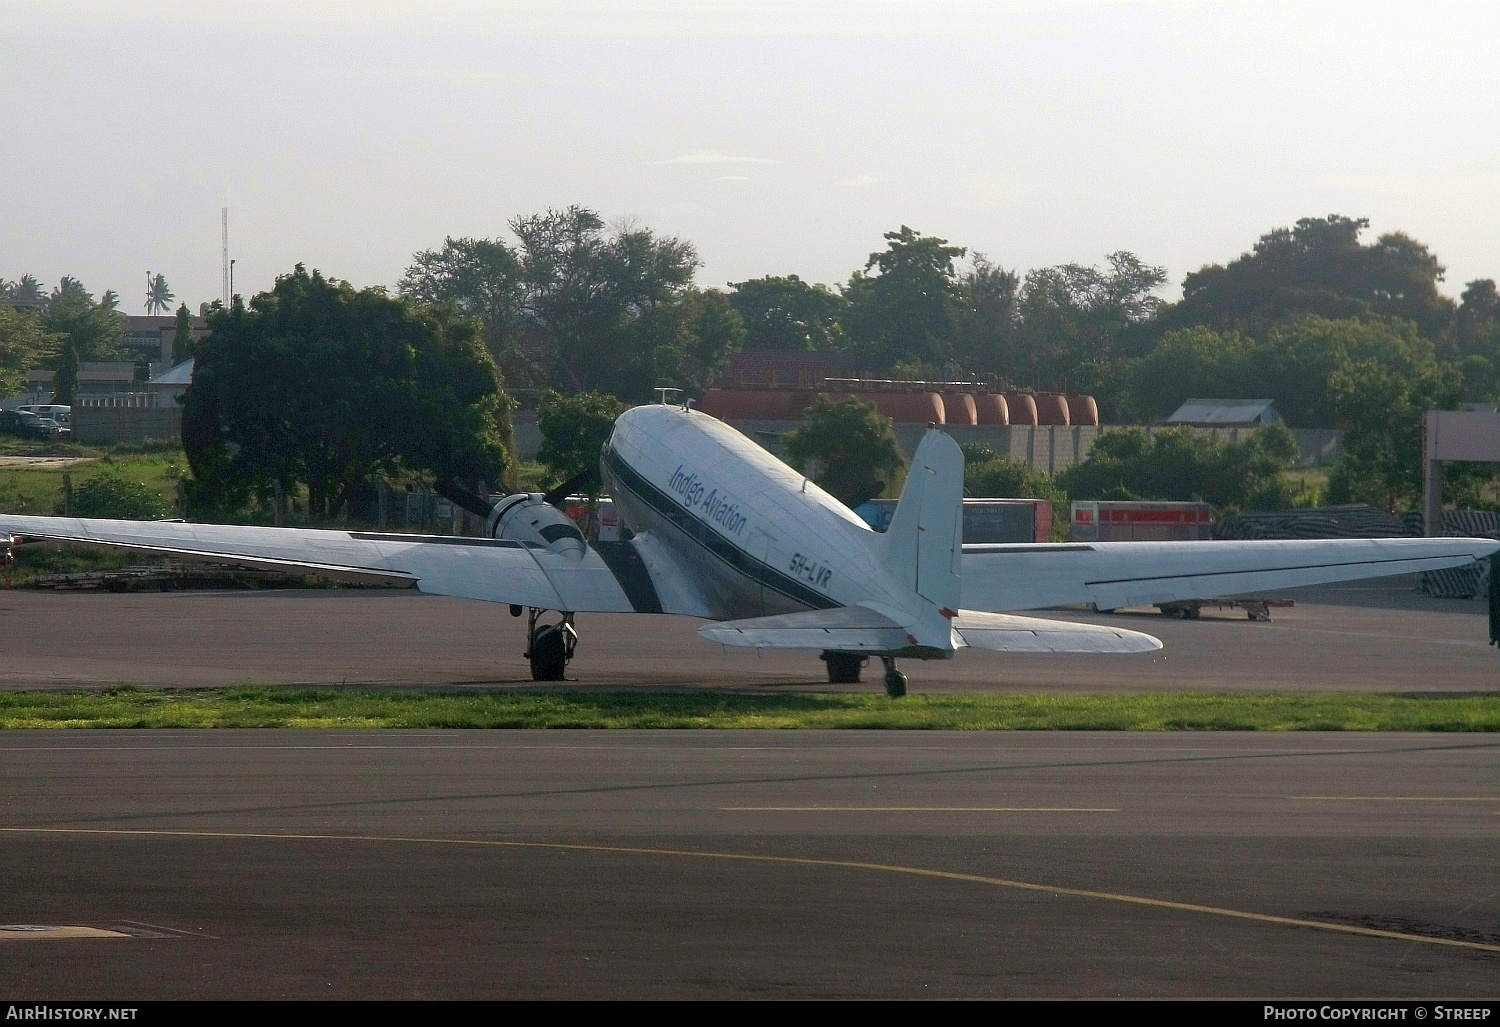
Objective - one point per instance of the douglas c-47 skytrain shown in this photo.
(726, 532)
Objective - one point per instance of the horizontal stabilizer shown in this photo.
(847, 629)
(1007, 633)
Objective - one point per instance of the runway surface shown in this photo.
(747, 864)
(1380, 636)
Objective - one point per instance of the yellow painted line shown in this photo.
(42, 933)
(918, 809)
(1399, 798)
(743, 857)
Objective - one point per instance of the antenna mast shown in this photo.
(225, 218)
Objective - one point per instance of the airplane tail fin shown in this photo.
(923, 547)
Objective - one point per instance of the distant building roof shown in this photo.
(182, 374)
(1225, 413)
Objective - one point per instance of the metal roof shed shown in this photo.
(1225, 413)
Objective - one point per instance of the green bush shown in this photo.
(107, 494)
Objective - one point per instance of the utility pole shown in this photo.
(225, 220)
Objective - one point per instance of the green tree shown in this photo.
(989, 475)
(900, 305)
(110, 494)
(23, 346)
(482, 278)
(986, 320)
(852, 444)
(65, 378)
(574, 430)
(25, 292)
(1291, 365)
(1317, 267)
(184, 346)
(570, 304)
(319, 384)
(1179, 465)
(1381, 410)
(694, 336)
(787, 313)
(159, 295)
(93, 328)
(1079, 323)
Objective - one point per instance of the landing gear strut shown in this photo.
(549, 647)
(895, 681)
(843, 668)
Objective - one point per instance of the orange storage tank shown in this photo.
(959, 408)
(755, 405)
(990, 408)
(1082, 410)
(1022, 408)
(907, 407)
(1051, 408)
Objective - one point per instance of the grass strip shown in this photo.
(253, 706)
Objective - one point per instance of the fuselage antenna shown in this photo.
(661, 394)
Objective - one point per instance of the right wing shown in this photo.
(1110, 575)
(496, 570)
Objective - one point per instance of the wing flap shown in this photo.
(848, 629)
(1007, 633)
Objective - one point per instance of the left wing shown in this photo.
(1002, 578)
(496, 570)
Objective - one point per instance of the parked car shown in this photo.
(24, 422)
(59, 412)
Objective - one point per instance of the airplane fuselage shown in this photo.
(746, 535)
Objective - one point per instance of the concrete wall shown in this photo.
(126, 424)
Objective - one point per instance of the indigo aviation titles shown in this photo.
(714, 506)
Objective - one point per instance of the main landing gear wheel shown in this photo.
(895, 681)
(550, 646)
(843, 668)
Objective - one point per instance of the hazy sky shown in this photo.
(779, 137)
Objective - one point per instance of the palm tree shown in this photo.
(70, 287)
(28, 290)
(159, 295)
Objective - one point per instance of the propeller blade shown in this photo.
(465, 499)
(579, 482)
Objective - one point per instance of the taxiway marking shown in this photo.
(744, 857)
(1398, 798)
(918, 809)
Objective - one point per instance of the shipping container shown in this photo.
(985, 520)
(1119, 521)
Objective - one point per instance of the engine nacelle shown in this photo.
(526, 517)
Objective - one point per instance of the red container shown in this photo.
(990, 408)
(1051, 408)
(1022, 408)
(906, 407)
(959, 408)
(1082, 410)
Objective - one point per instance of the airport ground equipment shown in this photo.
(725, 532)
(1190, 609)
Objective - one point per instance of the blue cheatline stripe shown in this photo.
(727, 552)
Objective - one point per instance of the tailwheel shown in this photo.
(843, 668)
(550, 646)
(895, 681)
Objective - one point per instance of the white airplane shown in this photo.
(724, 531)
